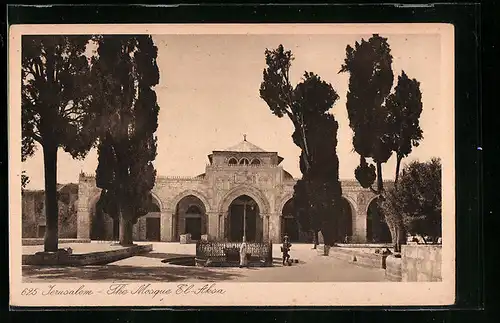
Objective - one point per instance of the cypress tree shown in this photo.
(317, 196)
(124, 75)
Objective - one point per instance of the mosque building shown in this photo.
(242, 186)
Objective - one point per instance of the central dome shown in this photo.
(245, 147)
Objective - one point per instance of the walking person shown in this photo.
(285, 249)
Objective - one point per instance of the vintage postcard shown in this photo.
(231, 165)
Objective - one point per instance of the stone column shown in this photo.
(359, 225)
(220, 227)
(166, 232)
(224, 226)
(213, 225)
(83, 223)
(274, 227)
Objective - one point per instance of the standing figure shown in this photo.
(243, 254)
(285, 249)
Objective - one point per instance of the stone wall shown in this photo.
(33, 212)
(421, 263)
(30, 217)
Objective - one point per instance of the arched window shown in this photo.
(232, 161)
(255, 161)
(244, 161)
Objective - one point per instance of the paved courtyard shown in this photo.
(148, 267)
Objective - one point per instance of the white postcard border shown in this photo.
(240, 294)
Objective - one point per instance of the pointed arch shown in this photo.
(283, 200)
(250, 191)
(157, 200)
(173, 202)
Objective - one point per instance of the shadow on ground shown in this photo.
(125, 273)
(163, 255)
(280, 261)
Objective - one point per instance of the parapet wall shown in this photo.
(418, 263)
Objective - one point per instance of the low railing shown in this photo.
(227, 253)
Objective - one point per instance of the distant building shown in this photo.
(33, 212)
(243, 179)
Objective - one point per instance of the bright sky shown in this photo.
(209, 97)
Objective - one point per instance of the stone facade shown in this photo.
(242, 170)
(33, 212)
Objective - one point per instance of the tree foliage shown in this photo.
(405, 108)
(24, 180)
(55, 94)
(318, 194)
(382, 122)
(416, 201)
(55, 99)
(309, 98)
(369, 64)
(124, 75)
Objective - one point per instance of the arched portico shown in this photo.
(189, 217)
(261, 218)
(377, 230)
(289, 222)
(346, 220)
(243, 221)
(250, 191)
(172, 204)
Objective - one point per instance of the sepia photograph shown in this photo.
(173, 165)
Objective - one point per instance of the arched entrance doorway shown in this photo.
(193, 222)
(244, 220)
(289, 222)
(190, 218)
(344, 222)
(377, 230)
(153, 223)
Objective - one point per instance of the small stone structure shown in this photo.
(393, 269)
(185, 238)
(67, 258)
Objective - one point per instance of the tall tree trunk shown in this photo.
(394, 237)
(398, 166)
(51, 207)
(126, 227)
(315, 238)
(306, 148)
(401, 237)
(380, 181)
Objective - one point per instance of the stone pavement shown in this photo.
(148, 267)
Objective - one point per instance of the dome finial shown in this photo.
(244, 137)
